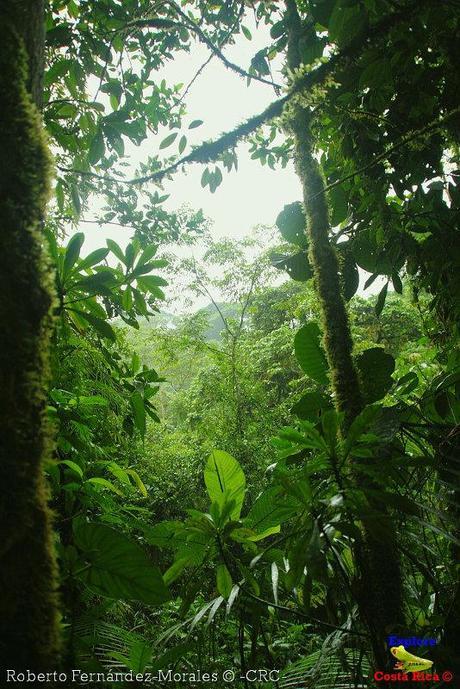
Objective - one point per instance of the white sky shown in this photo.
(254, 194)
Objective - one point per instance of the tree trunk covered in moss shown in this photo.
(379, 589)
(29, 635)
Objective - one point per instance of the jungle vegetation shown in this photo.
(271, 480)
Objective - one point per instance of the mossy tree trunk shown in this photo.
(29, 636)
(379, 589)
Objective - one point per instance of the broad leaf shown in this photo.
(310, 354)
(297, 266)
(291, 223)
(270, 510)
(225, 481)
(375, 368)
(224, 581)
(169, 140)
(138, 407)
(118, 568)
(310, 405)
(72, 252)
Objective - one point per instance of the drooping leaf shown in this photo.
(397, 283)
(339, 205)
(138, 481)
(231, 599)
(310, 405)
(101, 326)
(72, 252)
(104, 483)
(275, 579)
(297, 266)
(291, 223)
(138, 407)
(348, 270)
(380, 303)
(310, 354)
(224, 581)
(225, 481)
(76, 201)
(73, 466)
(96, 149)
(246, 33)
(375, 368)
(182, 144)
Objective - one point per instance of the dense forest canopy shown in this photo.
(230, 457)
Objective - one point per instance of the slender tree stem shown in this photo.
(378, 590)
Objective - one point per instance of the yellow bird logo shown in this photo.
(408, 662)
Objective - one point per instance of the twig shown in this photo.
(407, 138)
(210, 151)
(302, 615)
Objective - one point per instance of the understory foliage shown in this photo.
(272, 480)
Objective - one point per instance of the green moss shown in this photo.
(337, 337)
(378, 589)
(28, 589)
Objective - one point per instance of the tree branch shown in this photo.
(210, 151)
(194, 28)
(407, 138)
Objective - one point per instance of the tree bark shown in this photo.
(379, 588)
(29, 630)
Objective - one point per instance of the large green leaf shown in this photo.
(339, 205)
(375, 368)
(72, 252)
(224, 581)
(94, 257)
(101, 326)
(310, 405)
(138, 407)
(348, 270)
(270, 510)
(117, 567)
(310, 354)
(225, 481)
(297, 266)
(321, 10)
(169, 140)
(96, 149)
(291, 223)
